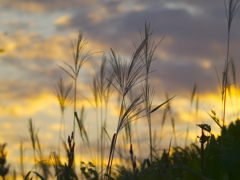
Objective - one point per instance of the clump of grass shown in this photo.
(126, 75)
(4, 167)
(66, 171)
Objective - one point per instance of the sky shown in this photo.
(36, 36)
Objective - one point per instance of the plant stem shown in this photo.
(202, 150)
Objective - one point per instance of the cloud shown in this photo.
(24, 103)
(29, 6)
(63, 20)
(44, 6)
(28, 46)
(193, 37)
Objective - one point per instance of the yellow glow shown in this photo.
(63, 20)
(56, 47)
(6, 125)
(206, 64)
(184, 116)
(55, 126)
(28, 107)
(10, 47)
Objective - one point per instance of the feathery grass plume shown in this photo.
(231, 9)
(63, 93)
(148, 92)
(79, 57)
(126, 75)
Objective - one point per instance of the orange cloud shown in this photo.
(29, 106)
(29, 6)
(63, 20)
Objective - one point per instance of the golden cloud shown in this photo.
(28, 106)
(29, 6)
(29, 46)
(63, 20)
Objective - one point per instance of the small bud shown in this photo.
(131, 151)
(134, 163)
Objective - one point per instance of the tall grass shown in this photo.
(102, 92)
(79, 58)
(193, 97)
(230, 9)
(22, 171)
(148, 92)
(126, 74)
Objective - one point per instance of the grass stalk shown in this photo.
(126, 75)
(33, 139)
(149, 49)
(79, 57)
(230, 9)
(22, 160)
(63, 93)
(193, 97)
(101, 92)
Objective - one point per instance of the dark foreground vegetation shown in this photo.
(212, 158)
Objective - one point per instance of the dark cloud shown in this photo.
(180, 77)
(40, 6)
(193, 37)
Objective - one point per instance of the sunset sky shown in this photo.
(36, 35)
